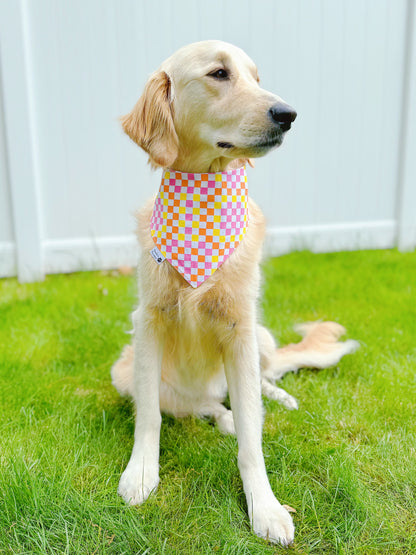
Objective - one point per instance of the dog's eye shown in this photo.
(220, 74)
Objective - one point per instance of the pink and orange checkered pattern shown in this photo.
(199, 219)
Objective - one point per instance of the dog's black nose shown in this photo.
(283, 114)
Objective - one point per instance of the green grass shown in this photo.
(345, 461)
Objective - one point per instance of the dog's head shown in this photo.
(204, 108)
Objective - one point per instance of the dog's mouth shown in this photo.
(263, 144)
(269, 142)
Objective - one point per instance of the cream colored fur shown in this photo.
(192, 345)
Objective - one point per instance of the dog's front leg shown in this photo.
(141, 476)
(241, 360)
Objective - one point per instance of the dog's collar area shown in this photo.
(198, 220)
(238, 174)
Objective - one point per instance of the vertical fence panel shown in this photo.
(7, 250)
(19, 137)
(407, 175)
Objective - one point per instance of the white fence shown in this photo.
(70, 181)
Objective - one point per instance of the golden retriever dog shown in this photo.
(202, 111)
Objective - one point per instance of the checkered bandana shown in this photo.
(198, 220)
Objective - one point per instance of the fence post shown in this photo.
(406, 216)
(20, 145)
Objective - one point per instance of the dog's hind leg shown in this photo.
(122, 372)
(171, 401)
(275, 393)
(267, 350)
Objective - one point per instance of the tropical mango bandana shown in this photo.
(198, 220)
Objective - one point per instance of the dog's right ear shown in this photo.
(150, 123)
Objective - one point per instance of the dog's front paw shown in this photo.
(136, 485)
(272, 522)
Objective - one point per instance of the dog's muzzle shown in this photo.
(283, 115)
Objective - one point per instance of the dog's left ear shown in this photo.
(150, 123)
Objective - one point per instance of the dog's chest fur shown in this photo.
(206, 317)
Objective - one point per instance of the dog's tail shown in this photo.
(319, 348)
(122, 372)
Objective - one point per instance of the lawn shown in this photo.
(345, 460)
